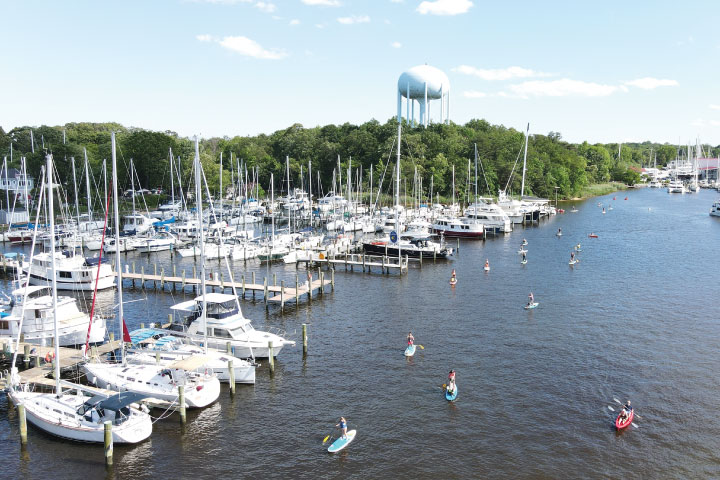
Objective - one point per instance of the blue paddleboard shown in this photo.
(410, 351)
(341, 443)
(450, 397)
(532, 305)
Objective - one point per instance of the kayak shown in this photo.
(592, 235)
(451, 397)
(620, 425)
(410, 351)
(532, 305)
(341, 443)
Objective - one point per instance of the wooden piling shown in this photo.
(181, 399)
(332, 280)
(304, 338)
(231, 374)
(157, 358)
(111, 336)
(282, 295)
(108, 443)
(26, 355)
(142, 276)
(142, 325)
(274, 279)
(297, 294)
(271, 358)
(243, 286)
(457, 248)
(228, 348)
(162, 278)
(23, 424)
(265, 289)
(253, 282)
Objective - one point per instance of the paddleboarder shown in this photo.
(410, 338)
(524, 257)
(342, 424)
(572, 256)
(487, 264)
(559, 232)
(531, 299)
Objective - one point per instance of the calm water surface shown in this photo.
(636, 318)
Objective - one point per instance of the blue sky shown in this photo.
(597, 71)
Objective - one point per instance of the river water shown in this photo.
(635, 319)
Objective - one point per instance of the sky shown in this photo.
(598, 71)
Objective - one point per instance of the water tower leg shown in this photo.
(407, 116)
(425, 109)
(399, 105)
(447, 109)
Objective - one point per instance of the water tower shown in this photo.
(421, 84)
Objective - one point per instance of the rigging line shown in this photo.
(483, 172)
(515, 165)
(382, 178)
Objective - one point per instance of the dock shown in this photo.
(41, 372)
(271, 293)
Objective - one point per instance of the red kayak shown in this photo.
(592, 235)
(620, 424)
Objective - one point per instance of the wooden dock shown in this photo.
(41, 372)
(271, 293)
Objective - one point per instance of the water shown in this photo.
(636, 318)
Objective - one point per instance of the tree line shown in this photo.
(429, 153)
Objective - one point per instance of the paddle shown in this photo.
(634, 412)
(327, 437)
(421, 347)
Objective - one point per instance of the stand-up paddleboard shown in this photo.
(523, 262)
(341, 443)
(558, 234)
(532, 305)
(524, 243)
(487, 269)
(450, 397)
(410, 351)
(572, 262)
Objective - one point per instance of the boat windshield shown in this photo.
(222, 310)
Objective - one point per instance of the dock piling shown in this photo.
(181, 398)
(23, 424)
(271, 357)
(231, 373)
(282, 295)
(26, 355)
(253, 282)
(108, 443)
(304, 338)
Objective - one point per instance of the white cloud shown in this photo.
(499, 73)
(266, 7)
(324, 3)
(294, 21)
(250, 48)
(204, 38)
(698, 122)
(222, 2)
(444, 7)
(397, 1)
(649, 83)
(396, 45)
(354, 19)
(714, 107)
(320, 25)
(474, 94)
(563, 88)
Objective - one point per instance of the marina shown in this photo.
(567, 334)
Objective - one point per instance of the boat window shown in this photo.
(56, 410)
(65, 274)
(130, 379)
(221, 332)
(4, 325)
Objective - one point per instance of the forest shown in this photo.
(428, 153)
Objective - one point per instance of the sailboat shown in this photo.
(157, 382)
(74, 416)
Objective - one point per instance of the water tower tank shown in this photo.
(421, 84)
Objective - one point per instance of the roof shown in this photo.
(188, 306)
(30, 289)
(115, 402)
(216, 297)
(190, 363)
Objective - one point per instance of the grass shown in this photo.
(598, 189)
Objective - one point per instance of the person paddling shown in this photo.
(487, 264)
(342, 424)
(451, 382)
(524, 257)
(626, 409)
(531, 299)
(572, 256)
(410, 339)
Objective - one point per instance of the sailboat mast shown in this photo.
(49, 170)
(172, 180)
(132, 184)
(198, 199)
(118, 269)
(476, 192)
(77, 203)
(221, 190)
(453, 186)
(522, 187)
(87, 185)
